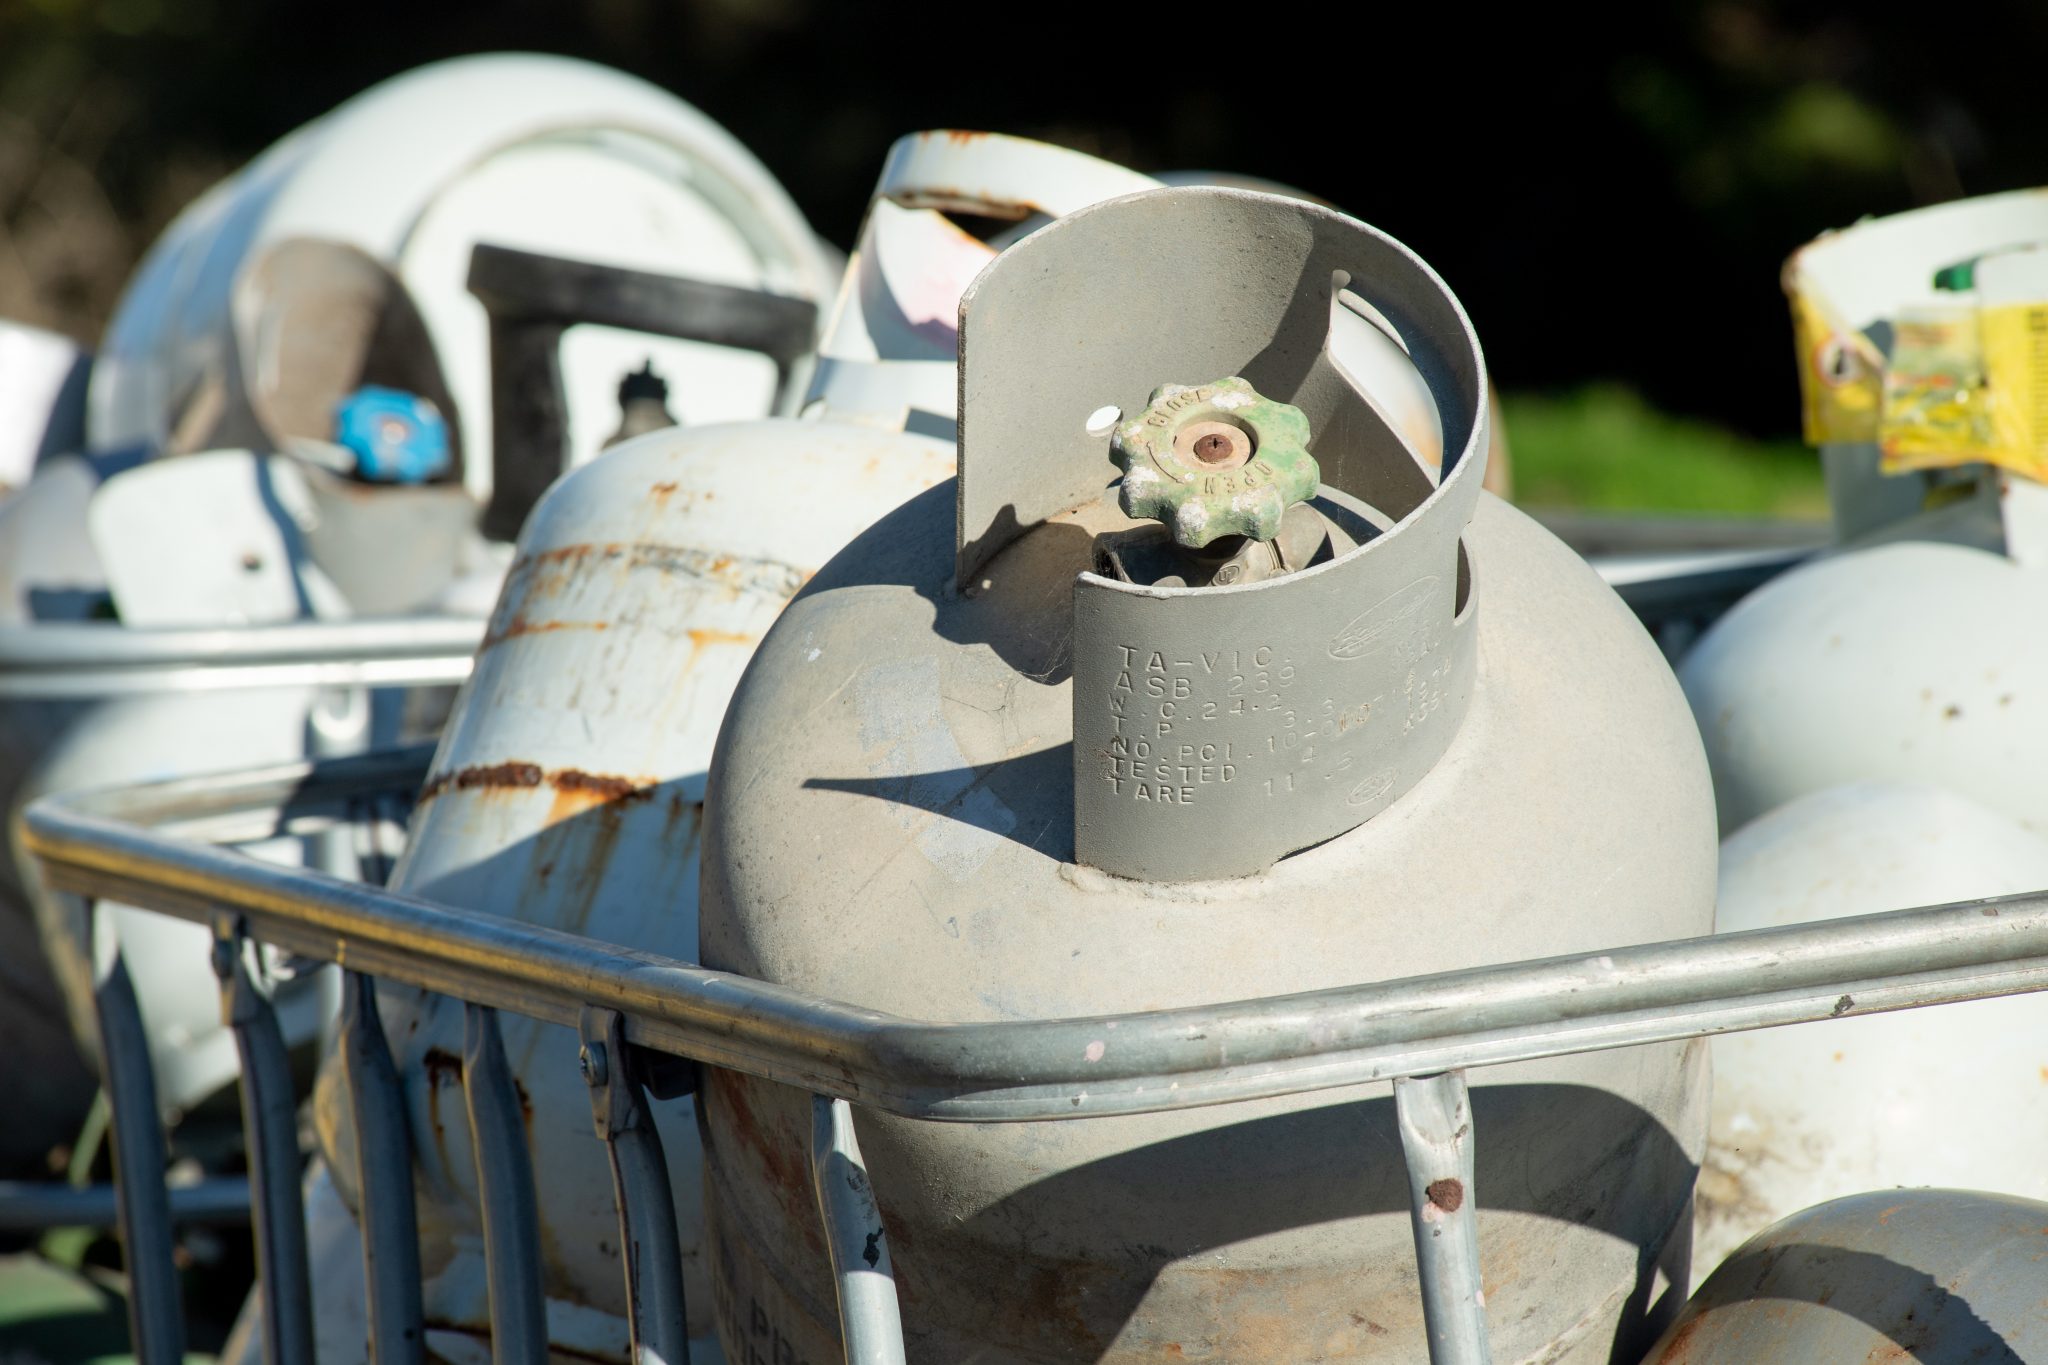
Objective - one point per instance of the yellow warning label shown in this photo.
(2015, 342)
(1841, 374)
(1968, 386)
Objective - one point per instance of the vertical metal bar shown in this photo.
(870, 1323)
(391, 1234)
(504, 1186)
(156, 1316)
(648, 1242)
(271, 1128)
(1435, 1114)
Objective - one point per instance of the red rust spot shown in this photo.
(1884, 1216)
(961, 137)
(1447, 1194)
(488, 776)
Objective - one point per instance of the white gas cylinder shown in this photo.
(1956, 1096)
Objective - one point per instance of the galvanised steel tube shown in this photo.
(870, 1322)
(391, 1235)
(504, 1188)
(1041, 1069)
(94, 659)
(1438, 1144)
(649, 1244)
(156, 1315)
(270, 1125)
(39, 1205)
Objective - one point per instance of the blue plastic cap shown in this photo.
(397, 437)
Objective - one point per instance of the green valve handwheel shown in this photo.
(1215, 460)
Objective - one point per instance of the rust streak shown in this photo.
(488, 776)
(588, 789)
(600, 787)
(441, 1065)
(701, 637)
(519, 626)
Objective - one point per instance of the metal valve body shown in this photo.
(972, 776)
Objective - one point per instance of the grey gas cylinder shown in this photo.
(1941, 1277)
(1048, 743)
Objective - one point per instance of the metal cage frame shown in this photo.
(148, 846)
(162, 847)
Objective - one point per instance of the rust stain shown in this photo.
(702, 637)
(519, 626)
(663, 489)
(961, 137)
(562, 554)
(601, 787)
(1447, 1194)
(442, 1066)
(491, 776)
(1681, 1340)
(1884, 1216)
(575, 788)
(778, 1161)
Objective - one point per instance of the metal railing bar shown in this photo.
(156, 1315)
(649, 1244)
(270, 1123)
(870, 1323)
(390, 1217)
(1435, 1116)
(38, 1205)
(266, 795)
(67, 659)
(505, 1192)
(1040, 1069)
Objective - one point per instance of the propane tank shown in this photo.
(1937, 1276)
(1917, 1097)
(341, 257)
(1915, 651)
(1279, 711)
(213, 540)
(567, 790)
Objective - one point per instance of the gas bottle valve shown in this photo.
(1215, 460)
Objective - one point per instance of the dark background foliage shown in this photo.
(1612, 193)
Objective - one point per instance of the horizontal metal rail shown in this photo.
(37, 1205)
(79, 659)
(97, 845)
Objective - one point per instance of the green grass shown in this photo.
(1602, 448)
